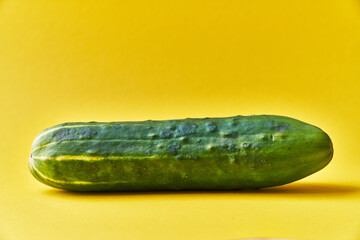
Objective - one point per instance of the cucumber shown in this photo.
(194, 154)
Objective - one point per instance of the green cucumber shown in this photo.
(200, 154)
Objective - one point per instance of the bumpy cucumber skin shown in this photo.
(194, 154)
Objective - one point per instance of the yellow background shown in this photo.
(63, 61)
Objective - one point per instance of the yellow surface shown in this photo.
(80, 60)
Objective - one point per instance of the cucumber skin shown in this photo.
(187, 154)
